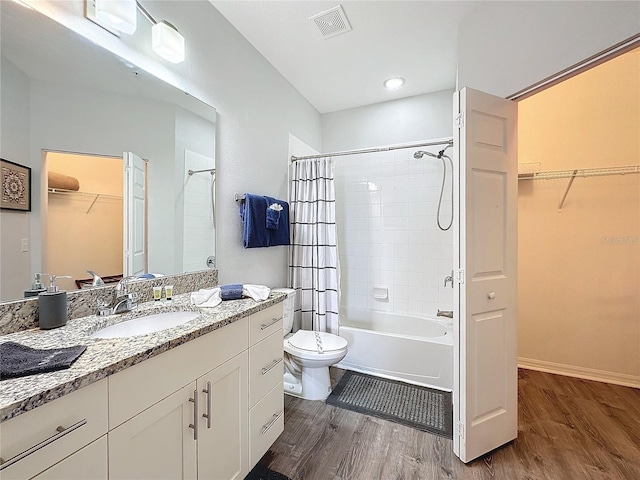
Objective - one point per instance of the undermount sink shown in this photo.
(145, 325)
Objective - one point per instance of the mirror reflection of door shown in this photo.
(136, 251)
(86, 227)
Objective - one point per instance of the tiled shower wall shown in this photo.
(199, 231)
(386, 206)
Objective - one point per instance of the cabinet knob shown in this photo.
(491, 295)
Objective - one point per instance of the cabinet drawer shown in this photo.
(266, 423)
(90, 463)
(265, 366)
(264, 323)
(146, 383)
(82, 413)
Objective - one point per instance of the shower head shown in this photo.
(421, 153)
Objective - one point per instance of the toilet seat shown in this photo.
(318, 342)
(311, 344)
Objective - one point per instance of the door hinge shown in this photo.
(459, 121)
(461, 430)
(460, 276)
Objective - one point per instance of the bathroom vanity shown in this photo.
(200, 400)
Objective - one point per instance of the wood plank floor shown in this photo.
(568, 429)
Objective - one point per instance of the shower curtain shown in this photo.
(314, 252)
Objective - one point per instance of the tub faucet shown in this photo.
(447, 279)
(445, 313)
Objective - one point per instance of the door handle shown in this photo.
(194, 425)
(491, 295)
(208, 414)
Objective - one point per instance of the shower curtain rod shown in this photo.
(373, 150)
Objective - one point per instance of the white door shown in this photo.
(135, 214)
(223, 446)
(485, 350)
(158, 442)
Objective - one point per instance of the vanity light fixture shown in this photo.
(167, 42)
(120, 15)
(394, 83)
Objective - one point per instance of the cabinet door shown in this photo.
(89, 463)
(157, 443)
(223, 442)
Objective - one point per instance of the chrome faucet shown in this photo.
(445, 313)
(123, 301)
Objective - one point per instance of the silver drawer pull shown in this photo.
(61, 433)
(275, 418)
(264, 326)
(265, 370)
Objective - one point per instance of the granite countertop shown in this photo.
(104, 357)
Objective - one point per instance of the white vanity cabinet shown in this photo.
(58, 432)
(266, 390)
(167, 434)
(207, 409)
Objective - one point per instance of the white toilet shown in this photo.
(308, 356)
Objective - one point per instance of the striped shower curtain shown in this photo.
(314, 251)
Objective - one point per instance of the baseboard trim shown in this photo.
(580, 372)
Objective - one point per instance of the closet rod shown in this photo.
(584, 172)
(373, 150)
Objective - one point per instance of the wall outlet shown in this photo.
(25, 244)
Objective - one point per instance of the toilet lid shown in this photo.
(317, 341)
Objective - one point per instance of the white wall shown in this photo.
(15, 265)
(504, 47)
(396, 121)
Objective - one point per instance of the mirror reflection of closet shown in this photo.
(85, 212)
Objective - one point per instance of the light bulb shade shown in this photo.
(167, 42)
(118, 14)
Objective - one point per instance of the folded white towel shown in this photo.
(257, 292)
(206, 297)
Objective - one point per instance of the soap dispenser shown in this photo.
(52, 305)
(37, 287)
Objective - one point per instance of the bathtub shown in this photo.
(400, 347)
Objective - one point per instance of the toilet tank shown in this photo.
(289, 307)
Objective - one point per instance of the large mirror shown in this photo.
(70, 110)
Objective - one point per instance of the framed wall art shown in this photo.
(16, 186)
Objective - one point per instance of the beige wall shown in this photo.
(579, 268)
(78, 241)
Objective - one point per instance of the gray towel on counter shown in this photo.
(18, 360)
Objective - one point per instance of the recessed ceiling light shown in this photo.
(394, 83)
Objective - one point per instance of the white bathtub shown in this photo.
(411, 349)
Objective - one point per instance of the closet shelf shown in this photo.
(60, 191)
(580, 172)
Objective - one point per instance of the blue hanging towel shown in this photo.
(254, 212)
(280, 234)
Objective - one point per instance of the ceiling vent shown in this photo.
(332, 22)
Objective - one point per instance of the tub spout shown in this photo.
(445, 313)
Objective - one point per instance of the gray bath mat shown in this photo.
(422, 408)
